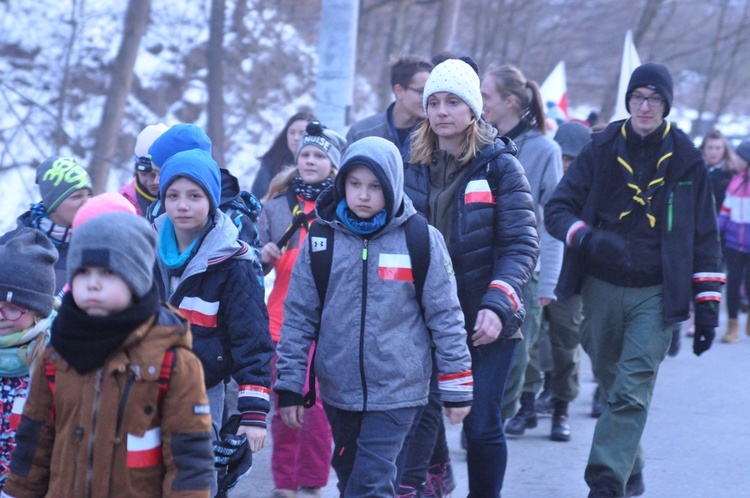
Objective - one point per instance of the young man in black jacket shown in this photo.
(636, 213)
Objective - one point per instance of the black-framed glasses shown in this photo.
(652, 101)
(420, 91)
(12, 313)
(143, 163)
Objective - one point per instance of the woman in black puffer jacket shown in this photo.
(469, 185)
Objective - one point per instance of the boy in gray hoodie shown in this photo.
(373, 336)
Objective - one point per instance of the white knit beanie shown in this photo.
(459, 78)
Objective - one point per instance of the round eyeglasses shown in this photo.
(12, 313)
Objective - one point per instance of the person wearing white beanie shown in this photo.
(466, 181)
(144, 188)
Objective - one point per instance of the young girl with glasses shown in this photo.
(27, 288)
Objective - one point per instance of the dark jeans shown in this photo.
(486, 451)
(426, 444)
(366, 447)
(738, 272)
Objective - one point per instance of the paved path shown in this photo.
(697, 440)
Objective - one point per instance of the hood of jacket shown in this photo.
(383, 158)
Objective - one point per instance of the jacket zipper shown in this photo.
(97, 397)
(123, 402)
(362, 327)
(670, 212)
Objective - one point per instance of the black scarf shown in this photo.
(643, 197)
(310, 192)
(86, 342)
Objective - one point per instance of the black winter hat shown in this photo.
(743, 149)
(654, 76)
(27, 271)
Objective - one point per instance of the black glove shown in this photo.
(233, 452)
(704, 336)
(599, 245)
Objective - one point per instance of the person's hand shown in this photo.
(256, 436)
(293, 416)
(704, 336)
(457, 414)
(270, 253)
(544, 301)
(487, 328)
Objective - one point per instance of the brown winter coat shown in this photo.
(83, 452)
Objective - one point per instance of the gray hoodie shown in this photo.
(373, 351)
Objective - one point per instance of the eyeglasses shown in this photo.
(652, 101)
(143, 163)
(12, 313)
(419, 91)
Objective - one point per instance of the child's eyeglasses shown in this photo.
(12, 313)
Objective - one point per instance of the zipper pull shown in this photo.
(364, 251)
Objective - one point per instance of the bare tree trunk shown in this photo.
(60, 130)
(648, 14)
(711, 73)
(394, 44)
(136, 21)
(215, 82)
(446, 26)
(730, 75)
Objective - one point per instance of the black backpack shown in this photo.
(320, 239)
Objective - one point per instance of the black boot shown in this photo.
(596, 404)
(544, 403)
(635, 485)
(674, 346)
(525, 418)
(560, 425)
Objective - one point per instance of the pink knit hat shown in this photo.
(108, 202)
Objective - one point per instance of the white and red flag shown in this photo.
(554, 91)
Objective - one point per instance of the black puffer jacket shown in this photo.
(690, 250)
(493, 244)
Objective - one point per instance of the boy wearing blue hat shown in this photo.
(206, 272)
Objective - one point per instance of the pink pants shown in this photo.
(301, 457)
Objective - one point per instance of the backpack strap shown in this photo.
(320, 238)
(165, 373)
(50, 372)
(418, 244)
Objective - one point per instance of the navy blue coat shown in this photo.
(494, 244)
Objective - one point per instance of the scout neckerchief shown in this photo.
(643, 197)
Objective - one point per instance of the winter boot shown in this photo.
(525, 418)
(406, 491)
(308, 492)
(560, 425)
(596, 404)
(635, 485)
(544, 404)
(674, 346)
(732, 334)
(440, 481)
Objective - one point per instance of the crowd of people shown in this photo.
(446, 260)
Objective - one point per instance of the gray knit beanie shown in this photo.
(121, 242)
(571, 137)
(327, 140)
(27, 271)
(459, 78)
